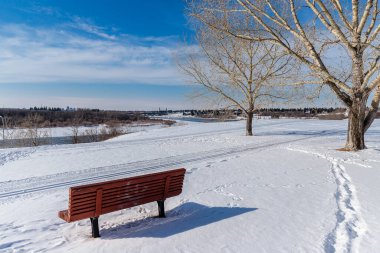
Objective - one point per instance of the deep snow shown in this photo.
(286, 189)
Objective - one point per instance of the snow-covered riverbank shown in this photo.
(21, 137)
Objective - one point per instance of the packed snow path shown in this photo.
(350, 225)
(286, 189)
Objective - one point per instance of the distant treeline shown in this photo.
(55, 117)
(335, 113)
(322, 113)
(310, 110)
(58, 109)
(198, 112)
(273, 112)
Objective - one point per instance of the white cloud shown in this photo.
(31, 55)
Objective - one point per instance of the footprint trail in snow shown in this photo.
(350, 225)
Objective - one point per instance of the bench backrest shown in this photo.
(92, 200)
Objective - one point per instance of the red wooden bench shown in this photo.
(93, 200)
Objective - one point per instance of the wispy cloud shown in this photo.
(87, 26)
(60, 54)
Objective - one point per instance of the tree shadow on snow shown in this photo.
(303, 133)
(181, 219)
(313, 132)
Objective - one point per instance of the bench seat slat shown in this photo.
(171, 185)
(131, 192)
(87, 205)
(148, 183)
(175, 184)
(124, 205)
(159, 194)
(78, 194)
(83, 210)
(181, 177)
(126, 190)
(176, 179)
(80, 201)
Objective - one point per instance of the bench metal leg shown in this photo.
(161, 208)
(95, 227)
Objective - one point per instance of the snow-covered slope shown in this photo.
(286, 189)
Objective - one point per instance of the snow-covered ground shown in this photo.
(286, 189)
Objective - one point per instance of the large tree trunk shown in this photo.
(356, 126)
(356, 114)
(249, 124)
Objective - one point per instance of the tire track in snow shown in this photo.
(17, 188)
(350, 225)
(62, 180)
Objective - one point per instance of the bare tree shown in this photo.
(241, 72)
(92, 134)
(76, 123)
(319, 34)
(10, 131)
(32, 134)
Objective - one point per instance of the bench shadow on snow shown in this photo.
(183, 218)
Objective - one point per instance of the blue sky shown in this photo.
(97, 54)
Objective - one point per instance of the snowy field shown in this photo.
(286, 189)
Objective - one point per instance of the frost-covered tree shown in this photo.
(336, 44)
(241, 72)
